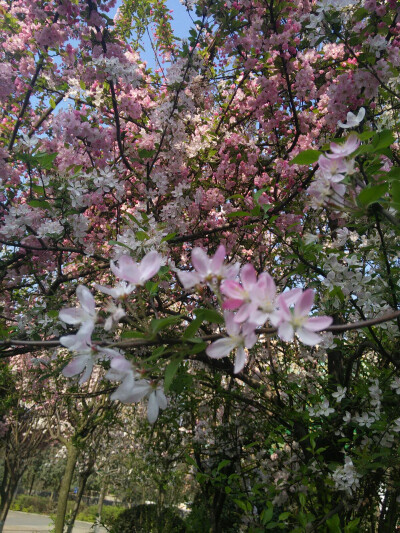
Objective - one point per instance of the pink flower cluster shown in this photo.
(256, 301)
(333, 168)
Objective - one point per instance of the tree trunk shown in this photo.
(82, 484)
(72, 456)
(6, 501)
(100, 506)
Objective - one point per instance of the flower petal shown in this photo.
(304, 303)
(86, 299)
(286, 332)
(161, 399)
(150, 265)
(240, 360)
(201, 261)
(318, 323)
(152, 408)
(221, 348)
(308, 337)
(248, 276)
(218, 259)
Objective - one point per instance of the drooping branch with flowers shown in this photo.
(227, 225)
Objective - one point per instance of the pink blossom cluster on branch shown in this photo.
(255, 299)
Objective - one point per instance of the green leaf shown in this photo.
(383, 139)
(333, 524)
(284, 516)
(152, 287)
(141, 235)
(170, 371)
(209, 315)
(238, 214)
(132, 335)
(394, 173)
(168, 237)
(43, 204)
(145, 154)
(45, 160)
(267, 514)
(192, 328)
(223, 463)
(395, 191)
(241, 504)
(158, 324)
(370, 195)
(306, 158)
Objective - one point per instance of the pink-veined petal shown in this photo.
(125, 389)
(232, 327)
(86, 299)
(286, 332)
(231, 304)
(266, 286)
(150, 265)
(189, 279)
(127, 269)
(233, 289)
(221, 348)
(244, 312)
(318, 323)
(240, 359)
(291, 296)
(218, 259)
(152, 408)
(86, 373)
(201, 261)
(284, 310)
(250, 335)
(248, 276)
(139, 390)
(308, 337)
(120, 364)
(305, 303)
(76, 365)
(72, 315)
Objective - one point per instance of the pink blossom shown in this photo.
(343, 150)
(353, 120)
(137, 273)
(296, 320)
(207, 269)
(239, 338)
(241, 295)
(80, 315)
(132, 391)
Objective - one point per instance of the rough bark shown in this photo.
(72, 457)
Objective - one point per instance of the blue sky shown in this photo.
(181, 24)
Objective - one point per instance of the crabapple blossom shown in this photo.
(240, 337)
(132, 390)
(137, 273)
(353, 120)
(86, 314)
(208, 269)
(344, 150)
(296, 320)
(340, 393)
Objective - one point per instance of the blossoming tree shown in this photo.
(234, 211)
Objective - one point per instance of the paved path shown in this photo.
(18, 522)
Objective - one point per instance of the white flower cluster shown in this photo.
(346, 477)
(321, 409)
(50, 227)
(116, 71)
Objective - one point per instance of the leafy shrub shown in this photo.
(33, 504)
(109, 514)
(145, 519)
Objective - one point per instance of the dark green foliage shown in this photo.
(145, 519)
